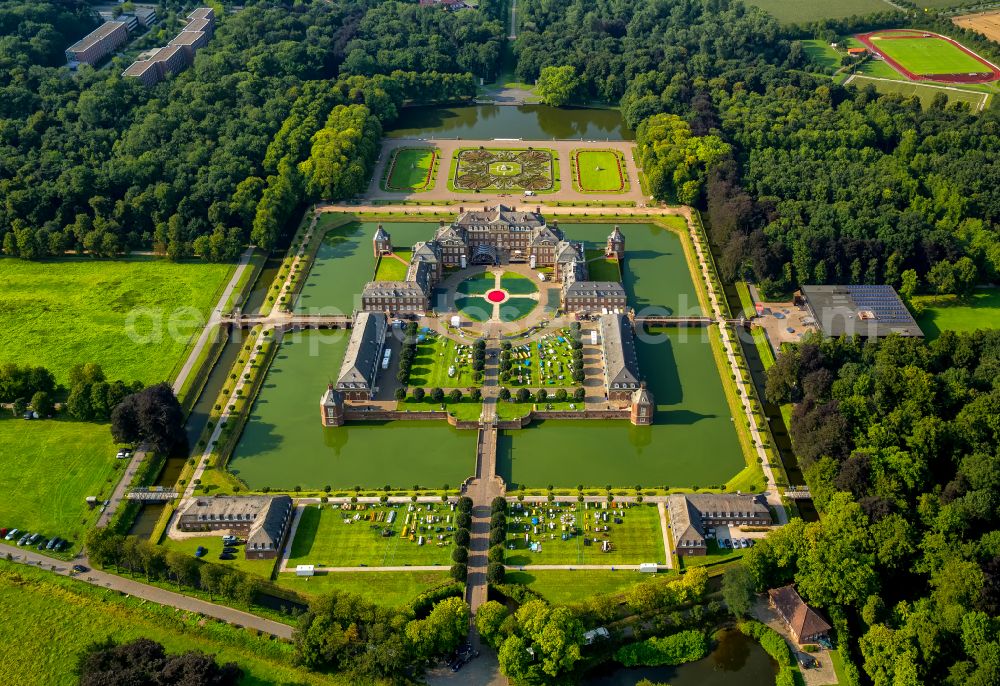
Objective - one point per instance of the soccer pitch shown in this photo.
(925, 56)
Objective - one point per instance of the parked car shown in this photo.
(80, 569)
(200, 551)
(725, 543)
(34, 539)
(3, 532)
(226, 556)
(53, 543)
(42, 543)
(229, 549)
(24, 539)
(11, 535)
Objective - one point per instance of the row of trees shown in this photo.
(144, 661)
(898, 442)
(523, 395)
(89, 397)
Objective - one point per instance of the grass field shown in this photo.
(715, 554)
(96, 303)
(475, 308)
(516, 308)
(477, 285)
(925, 92)
(49, 467)
(213, 543)
(599, 171)
(544, 365)
(389, 589)
(517, 284)
(601, 268)
(411, 170)
(928, 55)
(638, 538)
(435, 355)
(567, 587)
(805, 11)
(981, 311)
(330, 537)
(392, 268)
(820, 52)
(49, 619)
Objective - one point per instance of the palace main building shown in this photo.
(493, 236)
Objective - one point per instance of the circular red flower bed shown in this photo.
(496, 295)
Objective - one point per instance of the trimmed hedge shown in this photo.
(425, 602)
(676, 649)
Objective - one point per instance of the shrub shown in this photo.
(496, 554)
(465, 504)
(455, 395)
(475, 395)
(495, 573)
(401, 393)
(418, 394)
(579, 394)
(462, 538)
(523, 395)
(460, 555)
(542, 395)
(463, 520)
(499, 504)
(498, 521)
(561, 395)
(675, 649)
(769, 639)
(459, 571)
(437, 395)
(497, 536)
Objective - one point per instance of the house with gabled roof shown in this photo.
(359, 370)
(804, 623)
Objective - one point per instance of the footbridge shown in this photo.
(152, 496)
(799, 493)
(291, 321)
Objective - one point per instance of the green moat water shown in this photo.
(284, 445)
(692, 441)
(528, 122)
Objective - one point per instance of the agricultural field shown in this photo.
(49, 467)
(411, 170)
(436, 354)
(947, 313)
(135, 317)
(373, 536)
(916, 54)
(504, 169)
(50, 619)
(806, 11)
(389, 589)
(575, 534)
(986, 23)
(599, 171)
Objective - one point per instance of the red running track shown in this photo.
(866, 39)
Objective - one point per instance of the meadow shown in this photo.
(135, 317)
(49, 467)
(410, 170)
(49, 620)
(330, 537)
(925, 92)
(806, 11)
(559, 586)
(389, 589)
(979, 311)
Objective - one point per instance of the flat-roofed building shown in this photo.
(148, 72)
(200, 25)
(146, 15)
(262, 520)
(130, 20)
(190, 42)
(206, 13)
(173, 59)
(870, 311)
(693, 514)
(98, 44)
(358, 372)
(621, 363)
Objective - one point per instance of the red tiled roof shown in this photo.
(801, 618)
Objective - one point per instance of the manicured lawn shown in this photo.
(465, 409)
(213, 543)
(411, 169)
(715, 554)
(436, 354)
(638, 538)
(511, 409)
(330, 537)
(475, 308)
(535, 366)
(980, 311)
(806, 11)
(115, 312)
(49, 468)
(925, 92)
(477, 285)
(929, 55)
(389, 589)
(517, 308)
(49, 620)
(517, 284)
(393, 268)
(566, 587)
(604, 269)
(284, 444)
(599, 171)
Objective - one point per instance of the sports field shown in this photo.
(980, 311)
(49, 468)
(328, 536)
(118, 313)
(805, 11)
(634, 534)
(411, 170)
(49, 620)
(599, 171)
(284, 444)
(921, 55)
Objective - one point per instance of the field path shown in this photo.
(152, 593)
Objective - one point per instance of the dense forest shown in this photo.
(900, 443)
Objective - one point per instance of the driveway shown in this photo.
(816, 676)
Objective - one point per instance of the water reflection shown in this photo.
(531, 122)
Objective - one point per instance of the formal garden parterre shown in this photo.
(505, 169)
